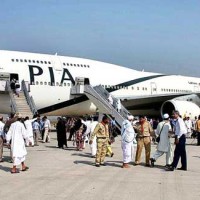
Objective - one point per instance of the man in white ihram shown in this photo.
(93, 146)
(29, 129)
(128, 137)
(164, 146)
(17, 134)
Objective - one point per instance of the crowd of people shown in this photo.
(17, 133)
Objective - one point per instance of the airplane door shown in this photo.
(153, 88)
(3, 78)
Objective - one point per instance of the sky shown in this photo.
(154, 35)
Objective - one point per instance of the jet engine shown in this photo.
(185, 108)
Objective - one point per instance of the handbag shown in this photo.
(158, 138)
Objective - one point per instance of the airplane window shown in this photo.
(132, 88)
(49, 83)
(88, 66)
(78, 65)
(33, 61)
(41, 61)
(21, 60)
(57, 84)
(38, 61)
(67, 64)
(12, 60)
(36, 82)
(138, 88)
(64, 64)
(25, 60)
(29, 60)
(45, 62)
(49, 62)
(84, 65)
(145, 88)
(45, 83)
(71, 64)
(41, 83)
(64, 84)
(75, 65)
(17, 60)
(81, 65)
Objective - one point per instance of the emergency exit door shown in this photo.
(153, 88)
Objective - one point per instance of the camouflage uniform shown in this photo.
(102, 133)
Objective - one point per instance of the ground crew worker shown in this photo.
(101, 132)
(144, 131)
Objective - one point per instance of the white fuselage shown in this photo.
(51, 77)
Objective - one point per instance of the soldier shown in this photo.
(101, 131)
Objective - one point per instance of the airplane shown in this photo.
(51, 77)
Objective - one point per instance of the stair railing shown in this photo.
(29, 98)
(104, 93)
(104, 102)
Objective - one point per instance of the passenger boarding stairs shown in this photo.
(99, 96)
(23, 104)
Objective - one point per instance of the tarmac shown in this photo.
(69, 174)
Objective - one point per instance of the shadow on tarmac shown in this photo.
(87, 155)
(3, 168)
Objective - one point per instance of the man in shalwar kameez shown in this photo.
(164, 146)
(17, 134)
(128, 136)
(29, 129)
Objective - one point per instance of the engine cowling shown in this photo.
(185, 108)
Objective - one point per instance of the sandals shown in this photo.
(14, 172)
(25, 169)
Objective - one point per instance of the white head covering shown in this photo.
(166, 116)
(130, 117)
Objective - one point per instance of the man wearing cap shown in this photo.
(164, 146)
(17, 134)
(180, 139)
(128, 136)
(144, 131)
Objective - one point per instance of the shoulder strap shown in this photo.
(162, 128)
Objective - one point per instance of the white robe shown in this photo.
(164, 143)
(93, 146)
(17, 134)
(128, 136)
(29, 130)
